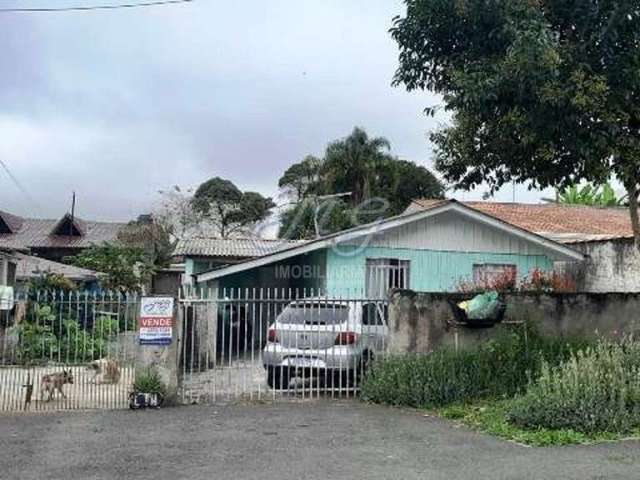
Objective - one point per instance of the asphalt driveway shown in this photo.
(307, 440)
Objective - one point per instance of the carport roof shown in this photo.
(560, 251)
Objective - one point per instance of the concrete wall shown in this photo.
(421, 322)
(612, 266)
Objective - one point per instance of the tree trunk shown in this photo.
(632, 193)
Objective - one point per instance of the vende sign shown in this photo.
(156, 320)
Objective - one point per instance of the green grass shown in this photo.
(491, 417)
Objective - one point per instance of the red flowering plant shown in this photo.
(541, 281)
(537, 281)
(505, 281)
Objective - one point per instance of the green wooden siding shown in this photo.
(342, 271)
(302, 272)
(430, 271)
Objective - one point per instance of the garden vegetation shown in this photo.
(521, 385)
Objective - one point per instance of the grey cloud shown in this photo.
(117, 105)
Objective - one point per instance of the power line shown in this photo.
(93, 7)
(20, 187)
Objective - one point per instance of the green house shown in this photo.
(437, 249)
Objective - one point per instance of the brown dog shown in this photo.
(105, 370)
(54, 381)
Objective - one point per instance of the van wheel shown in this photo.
(278, 378)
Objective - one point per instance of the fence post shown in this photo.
(163, 358)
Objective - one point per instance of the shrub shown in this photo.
(541, 281)
(37, 343)
(595, 390)
(149, 381)
(499, 368)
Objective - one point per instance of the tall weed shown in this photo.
(501, 367)
(595, 390)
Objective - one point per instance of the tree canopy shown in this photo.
(542, 92)
(120, 268)
(232, 211)
(152, 237)
(381, 186)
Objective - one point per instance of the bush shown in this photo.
(595, 390)
(149, 381)
(37, 343)
(500, 368)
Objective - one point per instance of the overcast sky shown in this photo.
(119, 104)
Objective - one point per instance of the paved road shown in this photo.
(312, 440)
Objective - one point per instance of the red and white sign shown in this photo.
(156, 320)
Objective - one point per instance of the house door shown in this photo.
(383, 274)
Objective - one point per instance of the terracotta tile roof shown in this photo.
(564, 223)
(232, 247)
(38, 233)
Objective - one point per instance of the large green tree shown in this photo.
(151, 236)
(230, 209)
(302, 179)
(351, 163)
(381, 186)
(119, 267)
(543, 92)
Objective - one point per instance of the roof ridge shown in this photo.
(203, 237)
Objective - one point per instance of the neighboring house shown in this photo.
(8, 264)
(167, 281)
(202, 254)
(603, 234)
(54, 239)
(31, 268)
(7, 282)
(434, 249)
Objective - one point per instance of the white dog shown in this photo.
(105, 370)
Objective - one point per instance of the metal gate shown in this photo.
(265, 343)
(67, 350)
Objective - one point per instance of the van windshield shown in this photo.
(314, 314)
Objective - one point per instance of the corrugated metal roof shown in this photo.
(38, 233)
(562, 223)
(32, 267)
(231, 247)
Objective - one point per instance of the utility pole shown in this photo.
(73, 213)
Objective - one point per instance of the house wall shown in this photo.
(442, 251)
(55, 254)
(7, 270)
(612, 266)
(429, 271)
(421, 322)
(305, 273)
(4, 269)
(196, 265)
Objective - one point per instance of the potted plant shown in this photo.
(148, 390)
